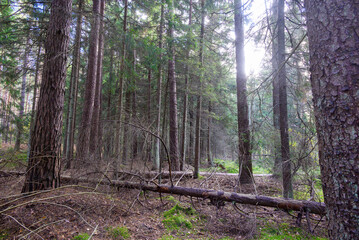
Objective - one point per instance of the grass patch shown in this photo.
(81, 236)
(118, 233)
(285, 231)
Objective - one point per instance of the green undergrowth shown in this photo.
(260, 170)
(169, 237)
(13, 159)
(116, 233)
(179, 217)
(4, 235)
(229, 166)
(285, 231)
(81, 236)
(304, 192)
(232, 167)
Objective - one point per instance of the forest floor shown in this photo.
(103, 212)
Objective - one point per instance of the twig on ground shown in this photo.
(22, 225)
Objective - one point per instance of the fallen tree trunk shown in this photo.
(165, 174)
(214, 195)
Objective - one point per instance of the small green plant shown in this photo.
(81, 236)
(117, 233)
(178, 217)
(167, 237)
(4, 235)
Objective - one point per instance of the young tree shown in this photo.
(244, 154)
(334, 52)
(44, 158)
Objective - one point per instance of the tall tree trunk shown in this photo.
(120, 96)
(334, 52)
(20, 124)
(173, 93)
(44, 159)
(90, 88)
(209, 123)
(126, 143)
(185, 100)
(159, 93)
(149, 103)
(164, 118)
(197, 157)
(283, 111)
(134, 106)
(275, 83)
(244, 154)
(191, 131)
(95, 142)
(108, 146)
(34, 102)
(72, 100)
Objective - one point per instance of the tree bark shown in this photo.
(197, 157)
(90, 89)
(334, 52)
(44, 158)
(283, 111)
(173, 93)
(244, 154)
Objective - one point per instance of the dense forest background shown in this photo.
(192, 86)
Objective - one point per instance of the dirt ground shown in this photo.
(70, 210)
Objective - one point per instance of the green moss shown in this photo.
(285, 231)
(178, 217)
(81, 236)
(118, 233)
